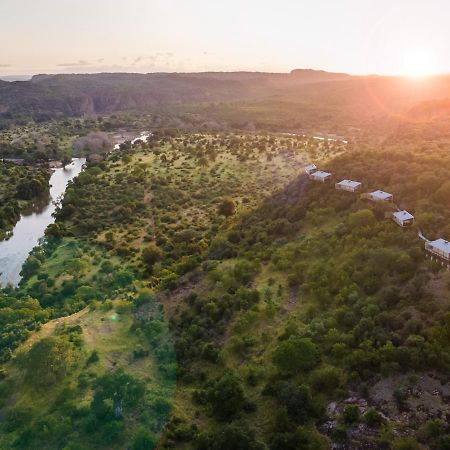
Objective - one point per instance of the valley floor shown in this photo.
(198, 291)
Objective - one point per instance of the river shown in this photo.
(32, 224)
(142, 137)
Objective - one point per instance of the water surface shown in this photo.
(32, 224)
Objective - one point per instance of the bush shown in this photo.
(326, 379)
(373, 418)
(48, 361)
(351, 414)
(298, 401)
(408, 443)
(362, 218)
(226, 208)
(151, 255)
(230, 437)
(226, 396)
(144, 440)
(296, 354)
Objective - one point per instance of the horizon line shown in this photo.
(133, 72)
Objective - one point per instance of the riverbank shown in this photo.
(126, 136)
(20, 187)
(33, 221)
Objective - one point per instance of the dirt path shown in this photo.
(49, 328)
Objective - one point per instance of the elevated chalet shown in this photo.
(439, 250)
(320, 176)
(348, 185)
(403, 218)
(311, 168)
(380, 196)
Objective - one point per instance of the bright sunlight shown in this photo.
(418, 63)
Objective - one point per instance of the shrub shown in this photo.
(144, 440)
(296, 354)
(48, 361)
(298, 401)
(373, 418)
(226, 396)
(351, 414)
(151, 255)
(226, 208)
(326, 379)
(362, 218)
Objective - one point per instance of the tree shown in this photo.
(442, 195)
(226, 396)
(362, 218)
(49, 360)
(121, 388)
(373, 418)
(27, 189)
(351, 414)
(227, 208)
(233, 436)
(296, 354)
(326, 379)
(30, 267)
(297, 400)
(151, 255)
(144, 440)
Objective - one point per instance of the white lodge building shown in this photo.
(403, 218)
(320, 176)
(348, 185)
(380, 196)
(310, 169)
(439, 250)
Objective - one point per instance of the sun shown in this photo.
(418, 63)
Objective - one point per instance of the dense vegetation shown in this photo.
(146, 216)
(19, 187)
(298, 316)
(347, 318)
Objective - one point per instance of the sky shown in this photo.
(401, 37)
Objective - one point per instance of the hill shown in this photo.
(300, 100)
(73, 95)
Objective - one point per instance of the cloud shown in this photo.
(80, 62)
(150, 60)
(5, 65)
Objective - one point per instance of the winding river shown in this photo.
(32, 224)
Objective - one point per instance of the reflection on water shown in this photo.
(32, 224)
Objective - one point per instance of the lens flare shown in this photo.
(418, 63)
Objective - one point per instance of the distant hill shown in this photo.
(302, 99)
(15, 77)
(73, 95)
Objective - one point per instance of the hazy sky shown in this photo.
(355, 36)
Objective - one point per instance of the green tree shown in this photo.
(296, 353)
(119, 387)
(230, 437)
(362, 218)
(49, 360)
(226, 208)
(144, 440)
(226, 396)
(351, 414)
(151, 255)
(297, 400)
